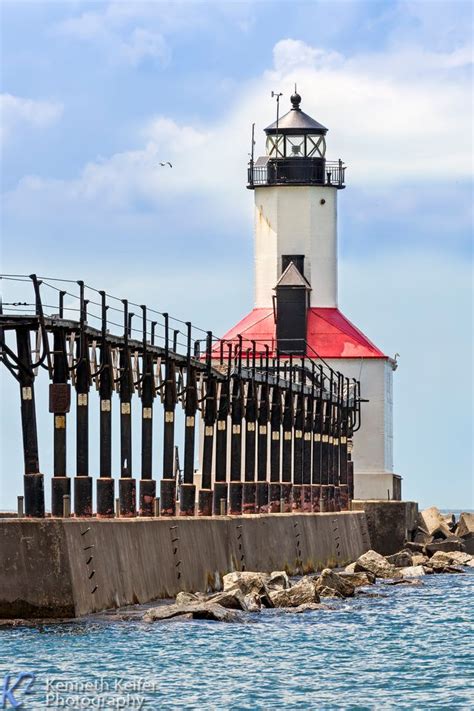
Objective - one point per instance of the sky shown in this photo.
(95, 95)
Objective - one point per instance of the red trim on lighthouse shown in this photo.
(329, 334)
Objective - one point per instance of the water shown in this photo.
(410, 649)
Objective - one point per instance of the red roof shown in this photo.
(329, 334)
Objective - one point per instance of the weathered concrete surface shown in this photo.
(71, 567)
(35, 578)
(390, 523)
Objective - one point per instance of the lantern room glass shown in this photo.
(315, 146)
(275, 146)
(294, 146)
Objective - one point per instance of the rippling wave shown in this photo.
(409, 648)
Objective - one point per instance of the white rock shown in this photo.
(452, 557)
(376, 564)
(413, 571)
(246, 581)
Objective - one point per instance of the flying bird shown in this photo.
(166, 163)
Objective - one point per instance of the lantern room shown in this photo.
(295, 153)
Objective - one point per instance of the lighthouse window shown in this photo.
(297, 259)
(294, 146)
(275, 146)
(315, 146)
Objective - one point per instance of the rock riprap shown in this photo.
(248, 591)
(330, 582)
(301, 593)
(376, 564)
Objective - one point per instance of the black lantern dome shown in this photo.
(295, 152)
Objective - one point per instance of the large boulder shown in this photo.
(246, 581)
(304, 591)
(452, 557)
(329, 580)
(197, 611)
(376, 564)
(412, 571)
(433, 522)
(358, 579)
(232, 600)
(449, 544)
(440, 566)
(419, 559)
(278, 580)
(402, 559)
(465, 525)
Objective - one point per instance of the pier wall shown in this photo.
(72, 567)
(390, 523)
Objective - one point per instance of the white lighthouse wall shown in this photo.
(296, 220)
(373, 443)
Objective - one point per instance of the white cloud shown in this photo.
(390, 125)
(16, 110)
(116, 32)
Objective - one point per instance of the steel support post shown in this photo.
(299, 428)
(235, 486)
(287, 450)
(317, 452)
(262, 450)
(344, 490)
(307, 447)
(187, 497)
(32, 481)
(324, 499)
(210, 413)
(82, 480)
(168, 483)
(127, 483)
(59, 405)
(249, 488)
(105, 483)
(275, 450)
(220, 483)
(147, 486)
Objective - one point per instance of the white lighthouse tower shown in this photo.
(295, 190)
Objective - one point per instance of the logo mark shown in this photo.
(19, 685)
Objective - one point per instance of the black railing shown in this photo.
(252, 407)
(297, 171)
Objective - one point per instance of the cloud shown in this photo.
(15, 111)
(388, 120)
(113, 35)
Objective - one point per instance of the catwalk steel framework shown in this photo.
(276, 433)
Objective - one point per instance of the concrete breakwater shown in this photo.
(72, 567)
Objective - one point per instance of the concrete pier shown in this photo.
(72, 567)
(390, 523)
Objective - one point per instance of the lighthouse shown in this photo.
(296, 309)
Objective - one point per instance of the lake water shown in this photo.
(413, 648)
